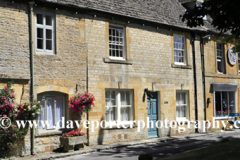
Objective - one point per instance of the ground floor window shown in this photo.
(118, 105)
(52, 110)
(224, 103)
(182, 106)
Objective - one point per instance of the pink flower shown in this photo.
(13, 96)
(15, 126)
(4, 115)
(15, 134)
(4, 98)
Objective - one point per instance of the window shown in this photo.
(182, 104)
(224, 103)
(179, 50)
(220, 58)
(239, 63)
(44, 32)
(52, 109)
(118, 105)
(117, 42)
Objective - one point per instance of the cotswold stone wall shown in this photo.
(231, 76)
(149, 65)
(64, 71)
(15, 57)
(14, 47)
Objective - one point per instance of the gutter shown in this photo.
(195, 79)
(31, 66)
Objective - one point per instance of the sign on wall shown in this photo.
(232, 57)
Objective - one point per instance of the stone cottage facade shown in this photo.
(136, 57)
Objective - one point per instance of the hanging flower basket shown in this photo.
(82, 103)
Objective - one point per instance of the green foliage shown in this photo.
(8, 135)
(29, 111)
(224, 16)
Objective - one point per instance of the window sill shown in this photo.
(44, 53)
(44, 133)
(220, 117)
(116, 61)
(114, 126)
(181, 66)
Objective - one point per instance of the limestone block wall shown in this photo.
(14, 47)
(64, 71)
(15, 57)
(231, 75)
(150, 53)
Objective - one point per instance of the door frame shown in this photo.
(158, 112)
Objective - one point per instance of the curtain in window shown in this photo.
(41, 116)
(59, 110)
(125, 105)
(110, 105)
(181, 104)
(50, 112)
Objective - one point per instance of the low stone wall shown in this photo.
(47, 144)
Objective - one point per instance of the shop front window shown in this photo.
(224, 103)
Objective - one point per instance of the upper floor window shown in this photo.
(44, 32)
(118, 105)
(117, 42)
(179, 49)
(182, 107)
(220, 58)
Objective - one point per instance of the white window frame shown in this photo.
(45, 110)
(118, 106)
(44, 27)
(115, 26)
(219, 58)
(187, 107)
(184, 50)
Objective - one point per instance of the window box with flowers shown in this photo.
(73, 140)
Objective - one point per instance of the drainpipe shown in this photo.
(31, 65)
(203, 76)
(203, 79)
(195, 80)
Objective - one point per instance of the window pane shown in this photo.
(231, 102)
(39, 19)
(224, 102)
(178, 112)
(218, 109)
(41, 116)
(48, 44)
(182, 112)
(40, 43)
(116, 38)
(59, 109)
(39, 33)
(113, 98)
(110, 101)
(48, 34)
(50, 112)
(48, 20)
(123, 97)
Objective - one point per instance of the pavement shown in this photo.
(157, 147)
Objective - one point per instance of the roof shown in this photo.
(159, 11)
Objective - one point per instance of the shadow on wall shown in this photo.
(101, 134)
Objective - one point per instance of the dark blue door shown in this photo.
(152, 115)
